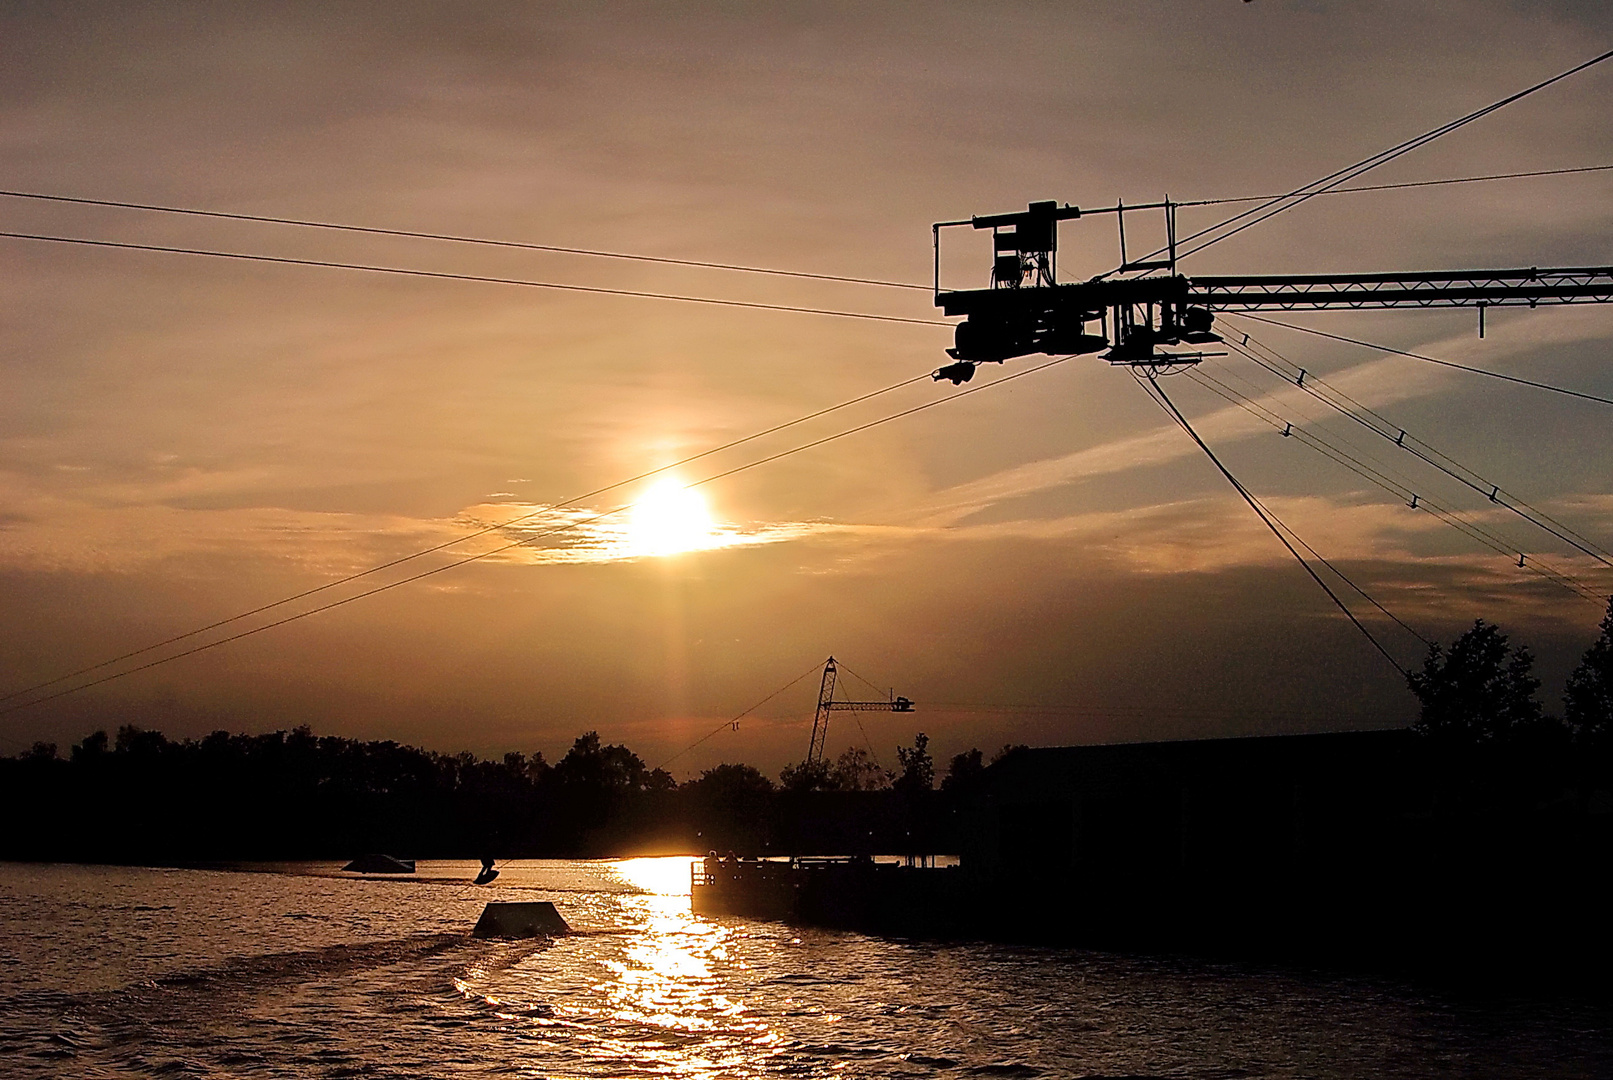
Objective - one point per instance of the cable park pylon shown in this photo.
(828, 704)
(1026, 309)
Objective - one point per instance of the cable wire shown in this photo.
(1272, 207)
(466, 560)
(1389, 187)
(734, 722)
(520, 245)
(1393, 433)
(452, 238)
(1151, 383)
(1401, 487)
(1382, 158)
(443, 275)
(1431, 359)
(876, 689)
(1231, 395)
(464, 537)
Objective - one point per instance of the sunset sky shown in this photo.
(183, 438)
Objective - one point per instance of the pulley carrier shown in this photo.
(1137, 318)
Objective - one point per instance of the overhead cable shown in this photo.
(1430, 359)
(1229, 394)
(452, 238)
(1151, 384)
(859, 678)
(1404, 440)
(460, 539)
(733, 722)
(1274, 206)
(1390, 187)
(443, 275)
(522, 245)
(525, 541)
(1400, 487)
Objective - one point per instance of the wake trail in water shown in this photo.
(173, 1023)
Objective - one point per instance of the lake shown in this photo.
(295, 970)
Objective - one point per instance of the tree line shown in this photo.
(1480, 693)
(138, 796)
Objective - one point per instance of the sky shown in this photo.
(184, 439)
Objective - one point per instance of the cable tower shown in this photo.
(827, 704)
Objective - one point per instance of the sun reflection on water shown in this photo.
(666, 978)
(658, 877)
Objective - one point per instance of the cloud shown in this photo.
(549, 535)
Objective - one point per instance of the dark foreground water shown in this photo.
(113, 972)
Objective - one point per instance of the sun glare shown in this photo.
(670, 518)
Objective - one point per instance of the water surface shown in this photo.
(299, 971)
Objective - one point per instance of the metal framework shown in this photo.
(1462, 288)
(1027, 310)
(827, 704)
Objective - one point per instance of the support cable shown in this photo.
(734, 722)
(1231, 395)
(1400, 487)
(525, 541)
(519, 519)
(1272, 207)
(1403, 489)
(333, 226)
(1421, 450)
(1430, 359)
(443, 275)
(876, 689)
(1269, 519)
(1387, 187)
(856, 715)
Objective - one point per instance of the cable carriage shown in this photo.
(1026, 309)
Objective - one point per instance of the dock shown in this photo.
(837, 892)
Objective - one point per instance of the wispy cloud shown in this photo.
(548, 534)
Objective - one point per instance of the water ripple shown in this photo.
(303, 972)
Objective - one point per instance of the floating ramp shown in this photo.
(520, 919)
(379, 864)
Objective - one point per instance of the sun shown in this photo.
(668, 519)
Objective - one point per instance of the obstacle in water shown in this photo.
(379, 864)
(520, 919)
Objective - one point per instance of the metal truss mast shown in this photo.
(827, 704)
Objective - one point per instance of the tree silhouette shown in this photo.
(1589, 699)
(732, 787)
(918, 768)
(964, 769)
(612, 768)
(806, 776)
(856, 770)
(1480, 692)
(1005, 750)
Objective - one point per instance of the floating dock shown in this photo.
(847, 893)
